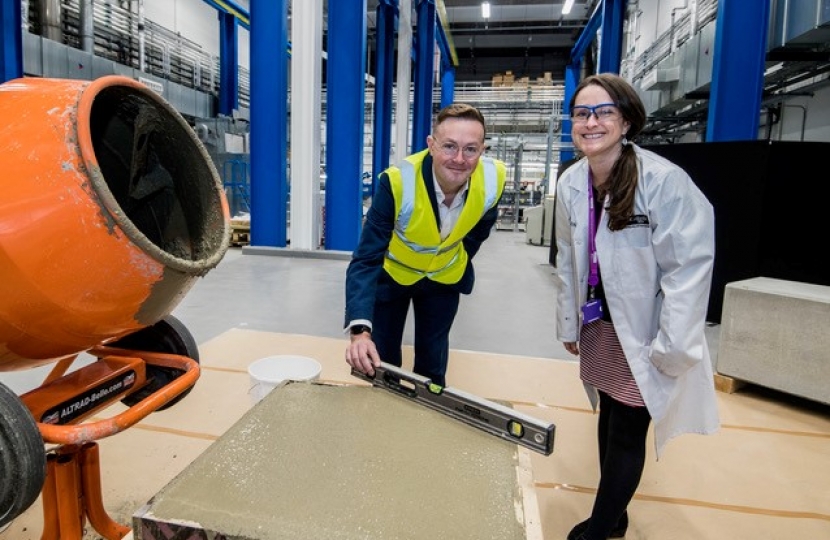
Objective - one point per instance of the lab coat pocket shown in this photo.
(635, 272)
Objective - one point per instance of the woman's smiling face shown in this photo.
(600, 134)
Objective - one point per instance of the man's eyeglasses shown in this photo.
(604, 112)
(451, 150)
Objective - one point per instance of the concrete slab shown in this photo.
(318, 461)
(774, 334)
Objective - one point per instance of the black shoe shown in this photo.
(576, 532)
(617, 532)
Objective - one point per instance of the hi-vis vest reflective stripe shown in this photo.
(416, 249)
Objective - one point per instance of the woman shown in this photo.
(635, 240)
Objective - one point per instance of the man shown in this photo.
(428, 219)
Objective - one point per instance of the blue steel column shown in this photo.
(269, 122)
(425, 47)
(228, 63)
(11, 41)
(572, 72)
(447, 84)
(345, 72)
(571, 82)
(610, 53)
(449, 59)
(736, 91)
(385, 62)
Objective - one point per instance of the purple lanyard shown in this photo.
(593, 276)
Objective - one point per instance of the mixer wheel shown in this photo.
(22, 457)
(169, 335)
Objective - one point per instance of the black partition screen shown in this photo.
(770, 201)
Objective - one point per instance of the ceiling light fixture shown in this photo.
(485, 10)
(567, 7)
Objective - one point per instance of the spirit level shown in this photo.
(483, 414)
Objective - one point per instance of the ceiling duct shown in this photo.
(799, 24)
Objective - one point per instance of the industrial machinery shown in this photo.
(111, 210)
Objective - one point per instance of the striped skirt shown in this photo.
(602, 363)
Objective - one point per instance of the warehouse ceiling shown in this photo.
(527, 37)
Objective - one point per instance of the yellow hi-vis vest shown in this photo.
(416, 250)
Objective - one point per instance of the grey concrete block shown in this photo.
(776, 334)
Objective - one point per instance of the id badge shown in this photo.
(592, 311)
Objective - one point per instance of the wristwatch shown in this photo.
(359, 329)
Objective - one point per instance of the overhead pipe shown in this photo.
(803, 117)
(773, 113)
(637, 20)
(142, 36)
(694, 16)
(50, 20)
(633, 28)
(24, 15)
(87, 16)
(673, 28)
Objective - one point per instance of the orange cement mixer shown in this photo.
(111, 210)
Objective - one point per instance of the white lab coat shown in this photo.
(657, 279)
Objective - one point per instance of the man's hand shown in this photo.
(362, 355)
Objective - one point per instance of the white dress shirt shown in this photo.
(449, 214)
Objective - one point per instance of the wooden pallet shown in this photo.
(240, 236)
(728, 385)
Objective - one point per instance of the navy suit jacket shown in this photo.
(366, 279)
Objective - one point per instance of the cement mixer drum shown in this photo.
(111, 210)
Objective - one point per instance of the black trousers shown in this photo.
(434, 308)
(621, 433)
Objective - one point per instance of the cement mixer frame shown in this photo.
(154, 377)
(106, 223)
